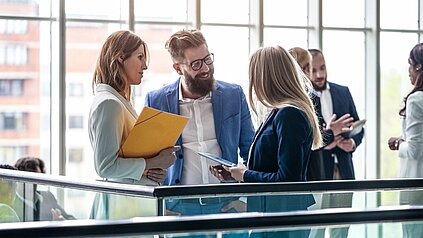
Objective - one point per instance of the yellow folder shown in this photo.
(154, 131)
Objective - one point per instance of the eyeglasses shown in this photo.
(197, 64)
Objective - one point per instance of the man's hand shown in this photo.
(347, 145)
(339, 125)
(335, 142)
(238, 205)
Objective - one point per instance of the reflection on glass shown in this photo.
(295, 13)
(405, 12)
(343, 13)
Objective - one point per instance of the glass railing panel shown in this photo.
(26, 202)
(188, 205)
(392, 222)
(108, 206)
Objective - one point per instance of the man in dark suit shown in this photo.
(337, 155)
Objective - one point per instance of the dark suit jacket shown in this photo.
(280, 153)
(342, 103)
(232, 122)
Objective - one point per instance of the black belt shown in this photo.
(208, 200)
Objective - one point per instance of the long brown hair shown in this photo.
(277, 81)
(108, 69)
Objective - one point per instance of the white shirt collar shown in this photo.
(101, 87)
(319, 93)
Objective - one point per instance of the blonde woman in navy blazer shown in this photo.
(282, 145)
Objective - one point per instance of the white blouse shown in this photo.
(110, 120)
(411, 150)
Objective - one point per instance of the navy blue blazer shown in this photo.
(280, 153)
(232, 121)
(343, 103)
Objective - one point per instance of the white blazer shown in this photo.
(411, 150)
(110, 120)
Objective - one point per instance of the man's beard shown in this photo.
(198, 85)
(320, 88)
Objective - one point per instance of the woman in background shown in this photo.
(410, 143)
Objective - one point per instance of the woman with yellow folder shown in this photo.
(121, 63)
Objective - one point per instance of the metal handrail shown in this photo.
(207, 223)
(224, 189)
(228, 189)
(73, 183)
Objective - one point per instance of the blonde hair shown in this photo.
(277, 81)
(182, 40)
(108, 69)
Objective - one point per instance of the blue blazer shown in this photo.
(280, 153)
(343, 103)
(233, 125)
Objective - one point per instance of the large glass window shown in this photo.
(11, 87)
(343, 13)
(222, 11)
(395, 85)
(22, 72)
(405, 12)
(346, 67)
(230, 53)
(162, 10)
(33, 82)
(295, 13)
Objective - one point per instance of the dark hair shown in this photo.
(314, 52)
(415, 59)
(12, 183)
(7, 166)
(30, 164)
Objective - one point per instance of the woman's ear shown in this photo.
(120, 59)
(418, 67)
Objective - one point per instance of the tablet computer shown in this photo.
(216, 159)
(356, 128)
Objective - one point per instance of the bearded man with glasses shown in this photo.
(220, 121)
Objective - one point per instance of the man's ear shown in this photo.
(177, 68)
